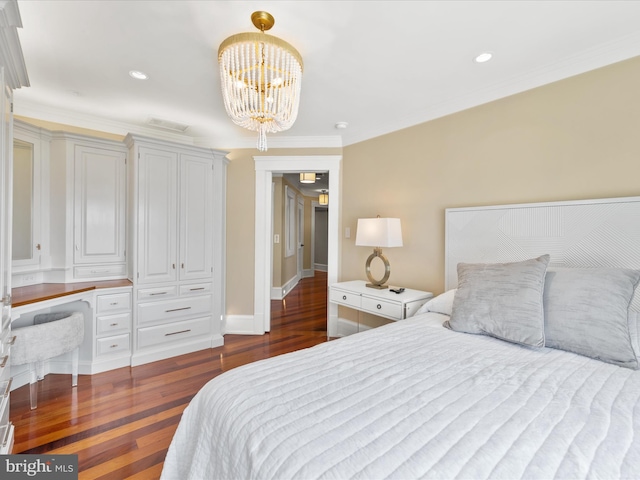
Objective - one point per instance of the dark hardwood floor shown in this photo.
(120, 423)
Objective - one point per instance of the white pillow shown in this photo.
(443, 303)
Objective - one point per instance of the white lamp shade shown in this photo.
(379, 232)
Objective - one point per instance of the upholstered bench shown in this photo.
(52, 334)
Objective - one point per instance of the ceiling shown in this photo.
(380, 66)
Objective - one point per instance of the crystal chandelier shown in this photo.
(260, 76)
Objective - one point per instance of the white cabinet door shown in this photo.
(157, 215)
(100, 205)
(196, 217)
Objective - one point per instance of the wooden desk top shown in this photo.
(46, 291)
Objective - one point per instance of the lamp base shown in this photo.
(377, 283)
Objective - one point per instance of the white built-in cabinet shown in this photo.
(6, 339)
(13, 75)
(88, 208)
(176, 243)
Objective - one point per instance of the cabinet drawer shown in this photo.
(113, 302)
(174, 309)
(117, 343)
(114, 323)
(382, 308)
(97, 271)
(345, 298)
(173, 332)
(157, 293)
(195, 289)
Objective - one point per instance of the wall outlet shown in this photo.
(276, 238)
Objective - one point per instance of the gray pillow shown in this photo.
(503, 300)
(587, 312)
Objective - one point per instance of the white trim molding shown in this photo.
(265, 168)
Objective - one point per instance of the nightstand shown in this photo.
(384, 303)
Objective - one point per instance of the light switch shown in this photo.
(276, 238)
(347, 232)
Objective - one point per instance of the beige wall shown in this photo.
(575, 139)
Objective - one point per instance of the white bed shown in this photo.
(414, 399)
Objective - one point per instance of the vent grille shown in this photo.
(167, 124)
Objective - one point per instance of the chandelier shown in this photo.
(260, 76)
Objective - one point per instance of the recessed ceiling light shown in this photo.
(341, 125)
(138, 75)
(483, 57)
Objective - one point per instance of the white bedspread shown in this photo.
(413, 400)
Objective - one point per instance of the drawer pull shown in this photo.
(158, 293)
(113, 303)
(194, 289)
(8, 389)
(344, 297)
(177, 309)
(115, 345)
(176, 333)
(4, 361)
(12, 341)
(114, 324)
(99, 271)
(378, 306)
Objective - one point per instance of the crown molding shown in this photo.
(80, 120)
(11, 56)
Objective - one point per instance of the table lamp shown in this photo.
(377, 233)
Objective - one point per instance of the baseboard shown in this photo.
(278, 293)
(165, 351)
(241, 325)
(217, 341)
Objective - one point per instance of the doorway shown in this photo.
(265, 168)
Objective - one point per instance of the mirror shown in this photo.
(23, 196)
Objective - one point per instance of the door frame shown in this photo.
(300, 238)
(265, 167)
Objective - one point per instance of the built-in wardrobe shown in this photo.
(133, 233)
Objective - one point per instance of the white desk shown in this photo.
(384, 303)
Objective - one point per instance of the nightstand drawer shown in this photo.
(382, 308)
(345, 298)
